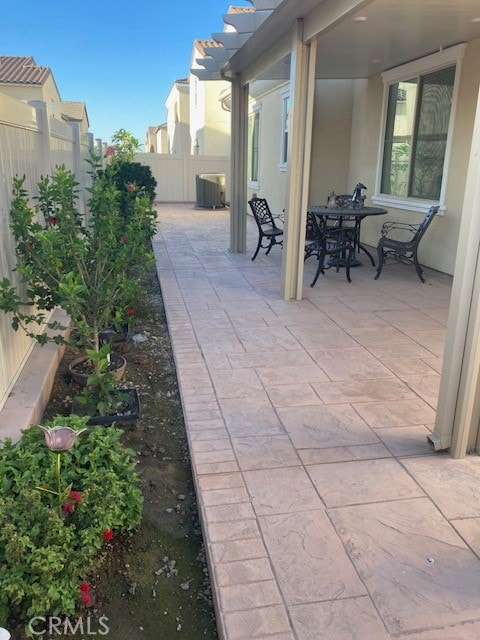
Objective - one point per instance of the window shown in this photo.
(420, 102)
(285, 118)
(416, 135)
(253, 146)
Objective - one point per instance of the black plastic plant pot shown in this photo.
(130, 411)
(114, 336)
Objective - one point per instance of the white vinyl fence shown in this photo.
(31, 145)
(175, 174)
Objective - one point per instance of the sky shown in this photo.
(118, 57)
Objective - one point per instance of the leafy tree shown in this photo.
(125, 144)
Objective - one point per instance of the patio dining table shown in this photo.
(346, 213)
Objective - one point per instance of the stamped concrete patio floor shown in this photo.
(326, 514)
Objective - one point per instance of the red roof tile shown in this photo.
(22, 70)
(201, 45)
(233, 9)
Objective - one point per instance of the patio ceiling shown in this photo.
(356, 39)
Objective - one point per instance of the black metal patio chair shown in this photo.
(338, 243)
(404, 251)
(267, 227)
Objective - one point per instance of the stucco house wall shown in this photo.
(271, 177)
(216, 138)
(330, 144)
(347, 134)
(439, 248)
(178, 118)
(197, 114)
(209, 119)
(47, 92)
(331, 139)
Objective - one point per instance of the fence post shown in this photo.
(43, 123)
(98, 149)
(77, 163)
(184, 177)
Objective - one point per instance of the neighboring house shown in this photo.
(156, 141)
(23, 79)
(382, 92)
(75, 112)
(209, 110)
(178, 117)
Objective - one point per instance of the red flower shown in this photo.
(52, 220)
(130, 312)
(131, 186)
(107, 535)
(110, 151)
(85, 591)
(76, 496)
(123, 239)
(68, 507)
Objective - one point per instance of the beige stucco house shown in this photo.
(178, 117)
(75, 112)
(23, 79)
(326, 93)
(209, 108)
(157, 139)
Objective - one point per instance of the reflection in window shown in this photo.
(416, 134)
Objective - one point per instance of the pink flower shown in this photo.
(76, 496)
(110, 151)
(123, 239)
(60, 438)
(68, 507)
(108, 535)
(131, 187)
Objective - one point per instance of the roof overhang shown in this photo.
(355, 38)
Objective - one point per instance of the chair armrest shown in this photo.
(387, 227)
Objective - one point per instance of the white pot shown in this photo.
(4, 635)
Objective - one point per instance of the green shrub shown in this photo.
(135, 173)
(44, 557)
(135, 185)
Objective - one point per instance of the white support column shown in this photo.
(298, 162)
(43, 123)
(238, 200)
(458, 409)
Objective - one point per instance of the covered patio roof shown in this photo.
(356, 38)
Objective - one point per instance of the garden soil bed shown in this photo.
(152, 583)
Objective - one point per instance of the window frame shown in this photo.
(435, 62)
(255, 111)
(285, 96)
